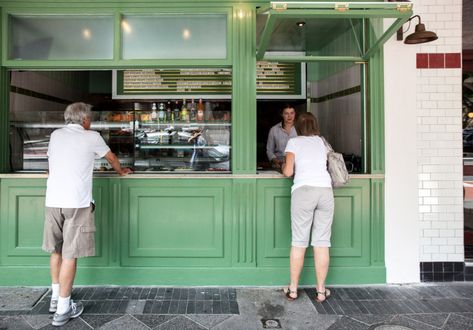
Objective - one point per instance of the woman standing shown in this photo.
(278, 136)
(312, 203)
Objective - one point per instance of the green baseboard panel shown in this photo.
(39, 276)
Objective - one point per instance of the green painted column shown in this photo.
(244, 223)
(376, 104)
(376, 146)
(4, 127)
(377, 222)
(244, 90)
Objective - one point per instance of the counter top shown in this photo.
(259, 175)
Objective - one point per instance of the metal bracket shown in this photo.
(279, 6)
(342, 6)
(403, 7)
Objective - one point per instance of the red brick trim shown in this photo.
(438, 61)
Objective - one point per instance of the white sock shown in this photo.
(63, 304)
(55, 288)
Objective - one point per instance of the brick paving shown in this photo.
(386, 307)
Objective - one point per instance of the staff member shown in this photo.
(69, 225)
(278, 136)
(312, 203)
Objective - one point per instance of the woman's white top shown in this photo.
(310, 157)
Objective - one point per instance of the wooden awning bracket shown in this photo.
(342, 6)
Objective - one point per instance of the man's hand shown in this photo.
(113, 160)
(276, 163)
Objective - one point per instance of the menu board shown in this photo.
(175, 81)
(273, 79)
(276, 78)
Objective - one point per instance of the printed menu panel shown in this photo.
(175, 81)
(273, 78)
(278, 78)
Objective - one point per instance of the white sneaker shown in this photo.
(75, 310)
(53, 306)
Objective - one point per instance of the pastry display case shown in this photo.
(162, 136)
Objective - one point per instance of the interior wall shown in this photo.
(41, 92)
(336, 102)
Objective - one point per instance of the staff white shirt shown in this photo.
(71, 154)
(310, 158)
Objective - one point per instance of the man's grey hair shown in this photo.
(77, 112)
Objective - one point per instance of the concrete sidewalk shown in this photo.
(386, 307)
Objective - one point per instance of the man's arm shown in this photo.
(270, 145)
(115, 163)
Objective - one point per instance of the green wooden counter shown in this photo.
(193, 230)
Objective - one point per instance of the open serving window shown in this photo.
(311, 27)
(336, 41)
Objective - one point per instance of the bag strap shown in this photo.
(327, 145)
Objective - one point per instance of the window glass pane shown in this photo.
(61, 37)
(174, 37)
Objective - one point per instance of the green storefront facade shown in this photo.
(203, 229)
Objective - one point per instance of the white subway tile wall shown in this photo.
(439, 139)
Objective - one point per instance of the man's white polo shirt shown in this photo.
(71, 154)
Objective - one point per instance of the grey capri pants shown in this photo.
(312, 207)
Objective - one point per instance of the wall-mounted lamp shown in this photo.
(419, 36)
(300, 24)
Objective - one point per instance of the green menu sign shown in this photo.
(273, 79)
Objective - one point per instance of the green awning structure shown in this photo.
(326, 31)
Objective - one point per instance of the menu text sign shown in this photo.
(273, 79)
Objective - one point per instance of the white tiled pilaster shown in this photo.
(439, 138)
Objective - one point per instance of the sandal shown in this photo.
(290, 295)
(326, 293)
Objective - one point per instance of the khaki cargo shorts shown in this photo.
(312, 211)
(70, 232)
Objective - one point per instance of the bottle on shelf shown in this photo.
(169, 114)
(161, 113)
(200, 111)
(154, 114)
(208, 111)
(184, 112)
(193, 111)
(176, 112)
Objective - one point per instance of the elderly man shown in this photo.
(69, 225)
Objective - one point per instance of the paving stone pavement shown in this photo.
(381, 307)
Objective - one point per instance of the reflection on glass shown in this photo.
(186, 34)
(126, 28)
(174, 36)
(467, 100)
(61, 37)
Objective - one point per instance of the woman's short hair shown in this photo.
(307, 124)
(77, 112)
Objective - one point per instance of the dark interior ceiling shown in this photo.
(312, 37)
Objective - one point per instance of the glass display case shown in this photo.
(166, 136)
